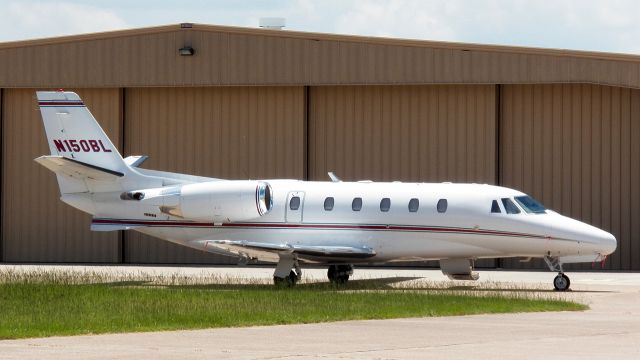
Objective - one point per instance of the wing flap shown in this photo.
(112, 227)
(335, 251)
(311, 251)
(77, 169)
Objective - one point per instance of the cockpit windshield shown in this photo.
(530, 205)
(509, 206)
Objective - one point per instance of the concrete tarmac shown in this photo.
(611, 328)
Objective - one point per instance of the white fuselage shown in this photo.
(466, 229)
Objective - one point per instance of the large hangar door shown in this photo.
(36, 225)
(425, 133)
(225, 132)
(575, 147)
(407, 133)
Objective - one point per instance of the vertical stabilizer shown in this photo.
(74, 133)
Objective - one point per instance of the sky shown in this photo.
(604, 25)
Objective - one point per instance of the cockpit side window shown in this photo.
(495, 208)
(530, 205)
(509, 206)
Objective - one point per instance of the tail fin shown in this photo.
(82, 156)
(74, 133)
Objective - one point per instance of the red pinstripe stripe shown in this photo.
(317, 226)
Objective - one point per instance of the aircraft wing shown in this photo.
(76, 169)
(311, 252)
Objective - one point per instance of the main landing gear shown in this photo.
(561, 282)
(339, 274)
(288, 271)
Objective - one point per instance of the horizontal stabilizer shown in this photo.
(135, 160)
(77, 169)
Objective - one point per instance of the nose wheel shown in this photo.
(561, 282)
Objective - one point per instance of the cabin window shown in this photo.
(495, 208)
(328, 204)
(385, 204)
(414, 204)
(356, 204)
(510, 207)
(294, 203)
(442, 205)
(530, 205)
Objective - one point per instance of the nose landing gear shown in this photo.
(561, 282)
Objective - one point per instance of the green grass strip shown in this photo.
(39, 310)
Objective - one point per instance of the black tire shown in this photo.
(342, 279)
(332, 273)
(293, 277)
(287, 281)
(339, 274)
(561, 282)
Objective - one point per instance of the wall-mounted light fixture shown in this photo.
(186, 51)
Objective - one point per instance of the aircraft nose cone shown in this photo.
(594, 240)
(607, 242)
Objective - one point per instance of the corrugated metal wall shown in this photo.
(577, 149)
(226, 132)
(36, 225)
(407, 133)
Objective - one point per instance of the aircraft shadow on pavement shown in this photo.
(367, 284)
(364, 284)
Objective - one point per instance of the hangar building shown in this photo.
(561, 125)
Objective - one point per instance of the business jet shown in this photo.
(291, 222)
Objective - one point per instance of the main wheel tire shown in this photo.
(332, 273)
(339, 274)
(561, 282)
(342, 279)
(287, 281)
(293, 277)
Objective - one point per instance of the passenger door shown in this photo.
(295, 204)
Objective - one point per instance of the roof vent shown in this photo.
(186, 26)
(273, 23)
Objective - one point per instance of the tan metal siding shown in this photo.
(575, 147)
(233, 56)
(36, 225)
(406, 133)
(228, 132)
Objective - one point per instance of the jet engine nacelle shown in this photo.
(223, 201)
(215, 201)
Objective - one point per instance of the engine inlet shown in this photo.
(264, 198)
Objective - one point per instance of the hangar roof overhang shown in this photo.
(247, 56)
